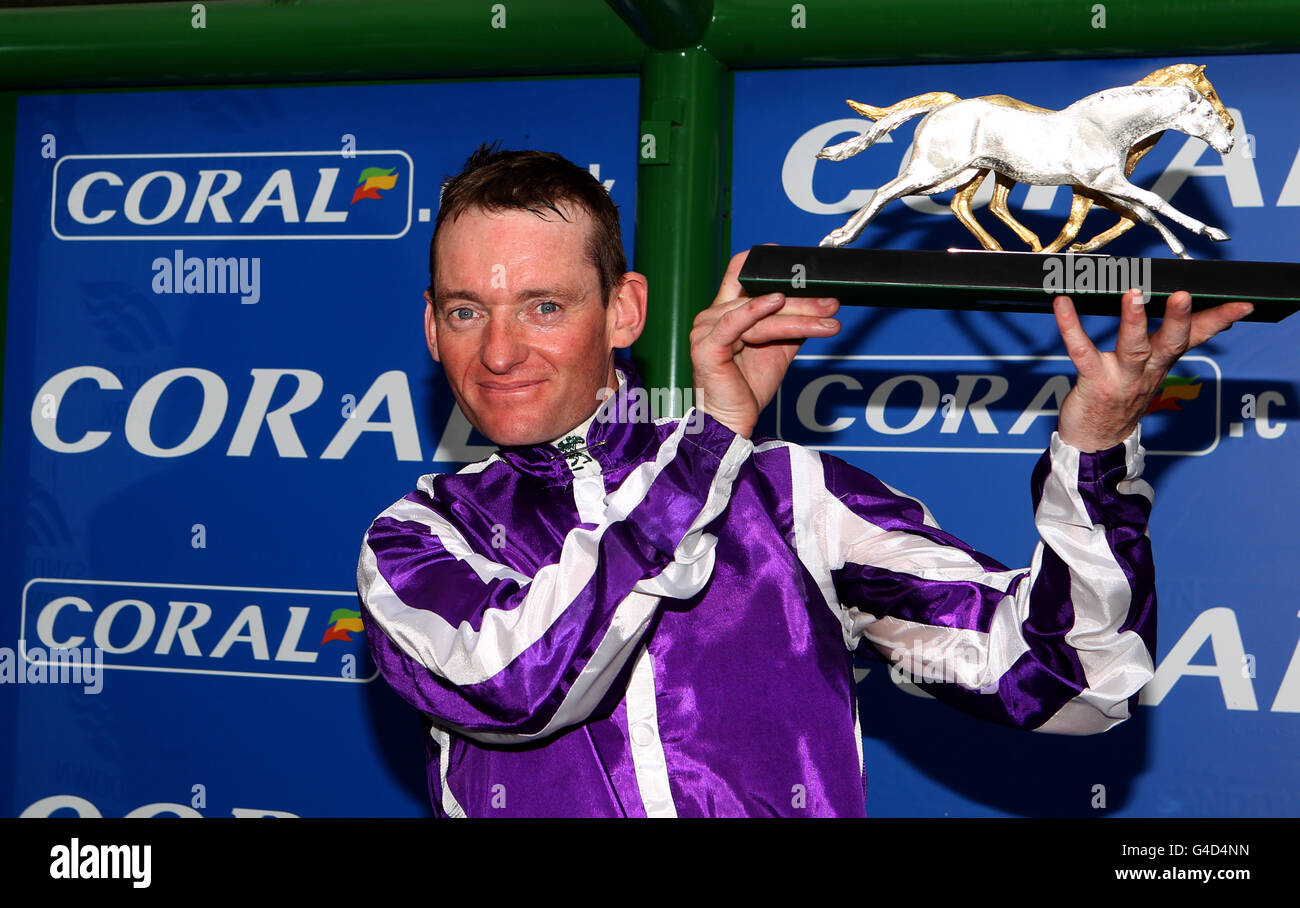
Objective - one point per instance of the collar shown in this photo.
(617, 433)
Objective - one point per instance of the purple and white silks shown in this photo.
(662, 622)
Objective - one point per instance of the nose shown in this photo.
(1221, 140)
(503, 347)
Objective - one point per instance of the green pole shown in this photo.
(772, 33)
(666, 24)
(679, 203)
(243, 41)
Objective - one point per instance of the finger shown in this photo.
(789, 327)
(1210, 322)
(821, 306)
(1083, 353)
(1133, 345)
(706, 319)
(1170, 341)
(730, 288)
(729, 328)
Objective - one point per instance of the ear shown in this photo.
(625, 318)
(431, 327)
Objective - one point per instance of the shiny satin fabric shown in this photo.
(687, 650)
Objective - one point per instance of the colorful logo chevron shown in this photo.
(1172, 390)
(372, 180)
(342, 620)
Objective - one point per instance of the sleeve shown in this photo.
(1063, 646)
(499, 656)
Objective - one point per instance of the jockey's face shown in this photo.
(519, 326)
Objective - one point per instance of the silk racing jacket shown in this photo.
(658, 618)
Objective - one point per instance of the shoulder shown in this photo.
(435, 492)
(776, 453)
(437, 487)
(825, 478)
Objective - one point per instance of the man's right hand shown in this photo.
(741, 347)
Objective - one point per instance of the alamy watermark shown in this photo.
(1072, 273)
(180, 273)
(965, 665)
(58, 665)
(636, 404)
(76, 861)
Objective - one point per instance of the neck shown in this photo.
(612, 437)
(1135, 113)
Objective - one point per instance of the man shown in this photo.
(617, 616)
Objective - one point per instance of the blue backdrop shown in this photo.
(216, 376)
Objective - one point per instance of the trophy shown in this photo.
(1092, 146)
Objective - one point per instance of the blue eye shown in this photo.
(462, 314)
(547, 308)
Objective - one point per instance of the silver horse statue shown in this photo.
(1086, 145)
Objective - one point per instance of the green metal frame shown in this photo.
(753, 34)
(684, 50)
(678, 207)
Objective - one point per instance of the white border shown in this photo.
(22, 627)
(410, 188)
(1218, 403)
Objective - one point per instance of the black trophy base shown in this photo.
(1015, 281)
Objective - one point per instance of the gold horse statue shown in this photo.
(1189, 74)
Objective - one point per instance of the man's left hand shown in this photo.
(1114, 389)
(741, 347)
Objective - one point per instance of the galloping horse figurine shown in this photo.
(1092, 146)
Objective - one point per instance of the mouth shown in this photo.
(513, 387)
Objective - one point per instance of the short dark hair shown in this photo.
(536, 181)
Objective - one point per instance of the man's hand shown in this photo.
(742, 347)
(1114, 389)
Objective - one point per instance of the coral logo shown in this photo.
(255, 195)
(372, 180)
(342, 621)
(207, 630)
(1173, 389)
(972, 404)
